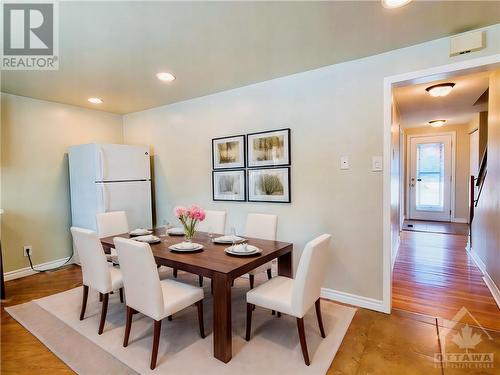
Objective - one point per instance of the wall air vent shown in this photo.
(467, 42)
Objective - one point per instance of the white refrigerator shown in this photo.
(109, 177)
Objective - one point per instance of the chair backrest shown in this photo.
(92, 259)
(140, 277)
(310, 274)
(262, 226)
(112, 223)
(215, 221)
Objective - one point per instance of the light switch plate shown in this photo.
(344, 162)
(377, 163)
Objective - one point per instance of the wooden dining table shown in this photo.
(212, 262)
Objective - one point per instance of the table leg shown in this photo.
(222, 317)
(285, 265)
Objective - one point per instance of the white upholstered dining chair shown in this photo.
(97, 273)
(215, 222)
(145, 293)
(112, 224)
(295, 296)
(261, 226)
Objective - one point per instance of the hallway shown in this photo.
(434, 275)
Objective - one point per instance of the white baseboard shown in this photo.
(27, 271)
(460, 220)
(495, 292)
(353, 299)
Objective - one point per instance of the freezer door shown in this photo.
(133, 197)
(122, 162)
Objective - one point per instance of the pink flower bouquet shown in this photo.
(189, 218)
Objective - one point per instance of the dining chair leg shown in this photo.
(156, 343)
(200, 280)
(302, 337)
(100, 297)
(84, 301)
(250, 308)
(175, 273)
(279, 314)
(121, 295)
(104, 311)
(273, 312)
(211, 286)
(128, 326)
(252, 280)
(199, 305)
(320, 319)
(269, 274)
(169, 318)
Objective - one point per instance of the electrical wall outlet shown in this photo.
(28, 249)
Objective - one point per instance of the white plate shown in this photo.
(184, 248)
(139, 232)
(176, 231)
(148, 239)
(230, 251)
(229, 239)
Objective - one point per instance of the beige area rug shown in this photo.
(274, 347)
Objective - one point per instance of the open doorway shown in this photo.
(437, 158)
(431, 271)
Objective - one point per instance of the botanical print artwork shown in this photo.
(229, 185)
(270, 148)
(269, 185)
(228, 152)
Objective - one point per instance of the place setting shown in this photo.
(242, 249)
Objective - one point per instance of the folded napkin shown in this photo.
(175, 230)
(148, 238)
(244, 248)
(186, 245)
(139, 232)
(229, 238)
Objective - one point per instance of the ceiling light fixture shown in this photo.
(95, 100)
(394, 3)
(164, 76)
(437, 123)
(442, 89)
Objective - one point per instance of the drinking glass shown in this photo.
(233, 235)
(210, 233)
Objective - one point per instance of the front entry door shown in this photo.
(430, 177)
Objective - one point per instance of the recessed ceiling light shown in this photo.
(394, 3)
(442, 89)
(437, 123)
(95, 100)
(164, 76)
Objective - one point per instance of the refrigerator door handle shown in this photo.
(101, 164)
(104, 197)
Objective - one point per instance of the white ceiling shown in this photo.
(416, 107)
(113, 50)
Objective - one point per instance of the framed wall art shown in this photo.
(268, 149)
(228, 152)
(269, 185)
(229, 185)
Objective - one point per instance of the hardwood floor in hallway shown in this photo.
(434, 275)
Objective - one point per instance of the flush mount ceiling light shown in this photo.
(437, 123)
(95, 100)
(165, 76)
(442, 89)
(394, 3)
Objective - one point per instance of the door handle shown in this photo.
(419, 179)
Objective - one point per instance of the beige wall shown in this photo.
(333, 111)
(35, 187)
(485, 233)
(462, 163)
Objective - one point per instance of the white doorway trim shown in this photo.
(420, 76)
(453, 171)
